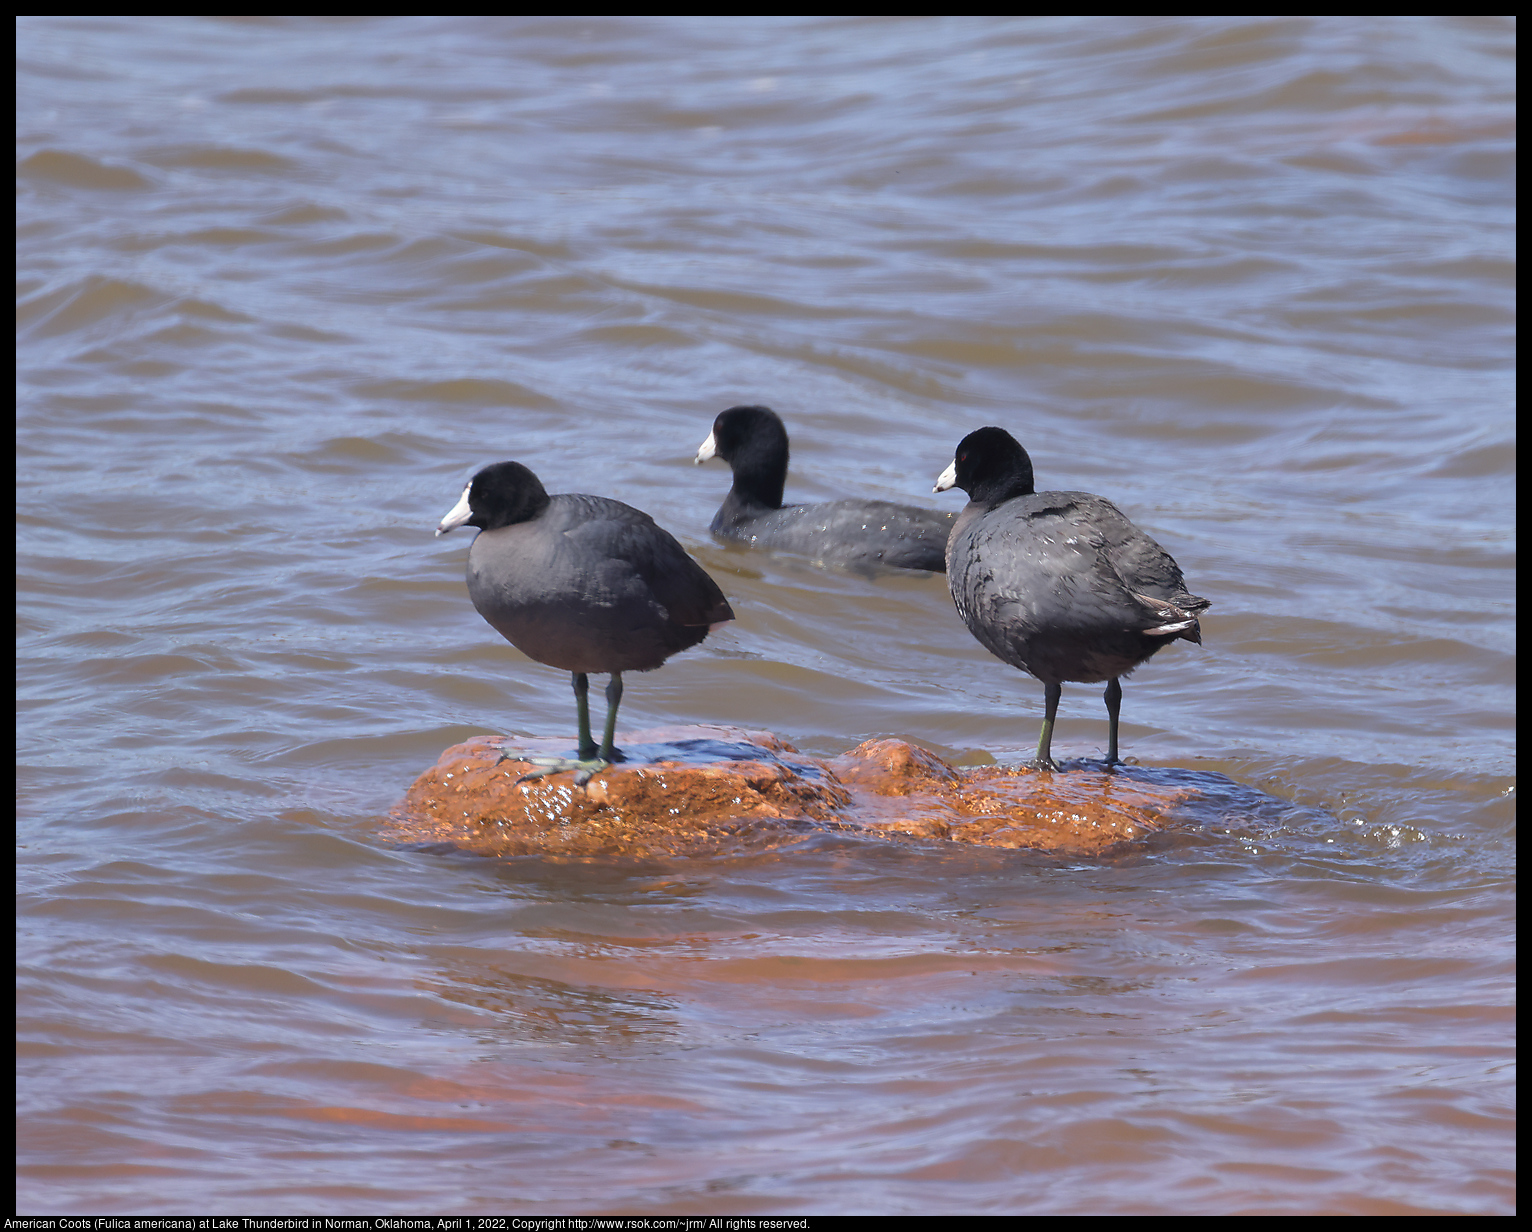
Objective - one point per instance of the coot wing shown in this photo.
(639, 560)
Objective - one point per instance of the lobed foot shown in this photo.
(585, 767)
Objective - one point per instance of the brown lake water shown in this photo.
(285, 283)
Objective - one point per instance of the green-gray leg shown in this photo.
(1044, 758)
(581, 683)
(587, 762)
(613, 700)
(1113, 706)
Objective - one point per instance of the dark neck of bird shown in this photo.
(991, 495)
(759, 480)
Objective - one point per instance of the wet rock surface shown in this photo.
(697, 790)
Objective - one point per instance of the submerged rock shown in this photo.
(696, 790)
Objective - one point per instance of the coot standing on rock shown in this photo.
(583, 583)
(753, 441)
(1059, 584)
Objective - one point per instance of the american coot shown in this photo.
(752, 440)
(1059, 584)
(582, 583)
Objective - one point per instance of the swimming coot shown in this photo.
(752, 440)
(582, 583)
(1059, 584)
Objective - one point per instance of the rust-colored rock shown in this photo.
(694, 790)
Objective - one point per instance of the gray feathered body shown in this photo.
(592, 585)
(844, 532)
(1063, 586)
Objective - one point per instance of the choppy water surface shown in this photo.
(284, 283)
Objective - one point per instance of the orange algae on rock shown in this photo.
(694, 790)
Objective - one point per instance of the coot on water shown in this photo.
(753, 441)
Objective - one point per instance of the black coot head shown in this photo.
(499, 495)
(753, 441)
(992, 467)
(749, 432)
